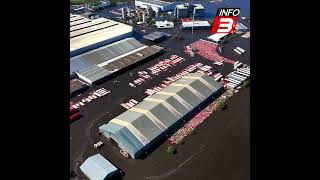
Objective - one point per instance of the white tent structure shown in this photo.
(97, 167)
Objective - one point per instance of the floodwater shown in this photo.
(220, 150)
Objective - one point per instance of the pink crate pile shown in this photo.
(92, 96)
(199, 118)
(156, 69)
(207, 50)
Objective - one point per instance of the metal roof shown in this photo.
(96, 167)
(156, 2)
(104, 54)
(130, 59)
(85, 32)
(156, 35)
(139, 126)
(93, 73)
(92, 67)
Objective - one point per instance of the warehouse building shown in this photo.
(94, 66)
(88, 34)
(156, 5)
(96, 167)
(106, 53)
(135, 130)
(187, 10)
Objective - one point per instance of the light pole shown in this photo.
(192, 21)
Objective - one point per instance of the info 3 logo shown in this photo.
(226, 20)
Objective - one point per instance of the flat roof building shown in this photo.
(87, 34)
(187, 10)
(156, 5)
(95, 65)
(141, 126)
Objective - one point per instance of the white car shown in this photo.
(98, 145)
(132, 85)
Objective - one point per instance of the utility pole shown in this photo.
(192, 25)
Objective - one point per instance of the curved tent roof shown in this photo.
(139, 126)
(97, 167)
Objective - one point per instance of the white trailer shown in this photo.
(237, 51)
(238, 65)
(235, 78)
(218, 78)
(233, 81)
(240, 49)
(232, 85)
(246, 69)
(241, 73)
(239, 76)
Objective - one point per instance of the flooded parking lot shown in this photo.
(155, 166)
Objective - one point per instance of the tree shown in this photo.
(181, 142)
(171, 150)
(246, 83)
(221, 105)
(151, 22)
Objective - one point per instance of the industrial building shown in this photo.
(106, 53)
(88, 34)
(187, 10)
(196, 25)
(96, 167)
(97, 64)
(156, 5)
(135, 130)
